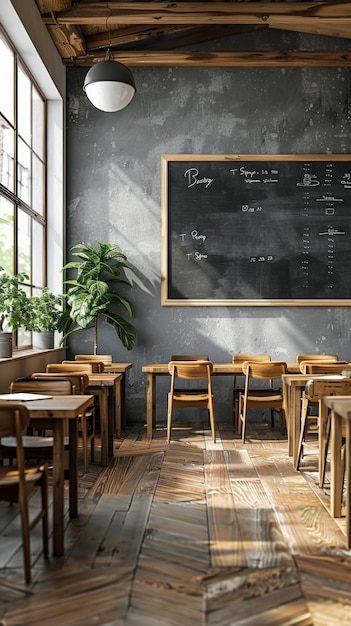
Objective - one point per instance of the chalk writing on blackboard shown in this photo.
(256, 230)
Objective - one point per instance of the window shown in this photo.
(22, 173)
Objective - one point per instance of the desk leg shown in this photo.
(150, 404)
(336, 465)
(118, 408)
(104, 424)
(348, 484)
(73, 468)
(113, 417)
(123, 401)
(58, 487)
(295, 421)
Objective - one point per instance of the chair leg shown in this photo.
(304, 414)
(85, 442)
(169, 419)
(23, 504)
(44, 506)
(324, 454)
(212, 422)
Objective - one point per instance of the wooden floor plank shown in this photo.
(193, 533)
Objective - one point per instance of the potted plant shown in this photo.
(14, 309)
(45, 317)
(92, 294)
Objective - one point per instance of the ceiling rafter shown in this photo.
(138, 31)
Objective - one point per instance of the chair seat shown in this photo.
(9, 475)
(185, 396)
(264, 397)
(30, 442)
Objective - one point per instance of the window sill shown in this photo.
(27, 354)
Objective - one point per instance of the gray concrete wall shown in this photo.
(113, 187)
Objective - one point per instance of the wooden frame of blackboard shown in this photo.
(321, 269)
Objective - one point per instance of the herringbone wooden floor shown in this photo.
(190, 533)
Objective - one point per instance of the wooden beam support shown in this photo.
(110, 14)
(222, 59)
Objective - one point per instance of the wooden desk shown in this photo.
(295, 385)
(152, 370)
(52, 414)
(108, 388)
(120, 368)
(340, 407)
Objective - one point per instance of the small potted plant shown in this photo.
(14, 308)
(45, 316)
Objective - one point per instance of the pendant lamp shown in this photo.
(109, 85)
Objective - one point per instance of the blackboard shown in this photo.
(254, 230)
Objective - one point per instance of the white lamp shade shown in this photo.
(109, 86)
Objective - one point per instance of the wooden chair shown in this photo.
(269, 397)
(69, 368)
(239, 388)
(80, 383)
(16, 485)
(313, 394)
(96, 366)
(315, 367)
(189, 357)
(106, 359)
(178, 399)
(35, 446)
(316, 357)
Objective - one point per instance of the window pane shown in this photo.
(7, 163)
(38, 260)
(24, 241)
(38, 124)
(6, 234)
(7, 78)
(23, 172)
(38, 186)
(24, 106)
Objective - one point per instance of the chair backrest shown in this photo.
(308, 367)
(79, 380)
(189, 357)
(14, 419)
(190, 370)
(96, 366)
(106, 359)
(264, 370)
(71, 368)
(316, 357)
(241, 358)
(53, 386)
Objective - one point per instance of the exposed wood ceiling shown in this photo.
(141, 33)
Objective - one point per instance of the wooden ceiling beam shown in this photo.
(224, 59)
(163, 37)
(127, 13)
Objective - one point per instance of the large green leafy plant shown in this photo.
(92, 293)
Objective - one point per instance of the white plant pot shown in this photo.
(43, 340)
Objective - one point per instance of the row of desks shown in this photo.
(152, 370)
(111, 387)
(295, 383)
(52, 414)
